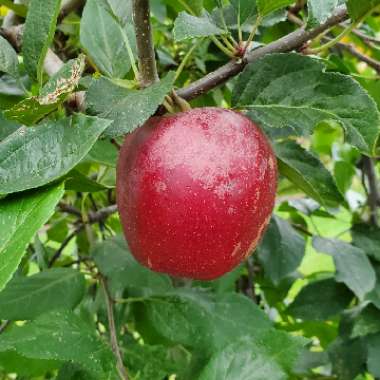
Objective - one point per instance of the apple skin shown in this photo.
(195, 191)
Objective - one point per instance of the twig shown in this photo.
(64, 244)
(365, 37)
(294, 19)
(373, 189)
(93, 217)
(144, 38)
(287, 43)
(102, 214)
(69, 209)
(250, 291)
(81, 259)
(375, 64)
(112, 327)
(116, 144)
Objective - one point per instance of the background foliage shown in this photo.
(74, 304)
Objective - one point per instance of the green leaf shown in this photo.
(276, 94)
(115, 261)
(11, 362)
(38, 34)
(8, 58)
(33, 157)
(374, 296)
(352, 265)
(368, 322)
(320, 10)
(206, 322)
(64, 336)
(281, 250)
(358, 9)
(77, 181)
(373, 344)
(28, 297)
(268, 6)
(70, 371)
(191, 6)
(347, 358)
(187, 26)
(7, 127)
(344, 173)
(121, 9)
(20, 218)
(251, 361)
(29, 111)
(103, 152)
(104, 39)
(307, 172)
(145, 362)
(128, 109)
(367, 238)
(320, 300)
(244, 8)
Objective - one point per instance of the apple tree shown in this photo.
(189, 189)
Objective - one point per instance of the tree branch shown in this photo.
(70, 209)
(144, 38)
(369, 169)
(112, 327)
(102, 214)
(375, 64)
(93, 217)
(64, 244)
(292, 41)
(365, 37)
(287, 43)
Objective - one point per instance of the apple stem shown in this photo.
(168, 106)
(180, 102)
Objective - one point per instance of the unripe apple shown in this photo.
(195, 191)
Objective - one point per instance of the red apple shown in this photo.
(195, 191)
